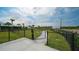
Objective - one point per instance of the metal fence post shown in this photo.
(66, 34)
(8, 33)
(24, 29)
(75, 40)
(47, 38)
(32, 31)
(73, 43)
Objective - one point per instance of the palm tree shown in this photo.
(12, 21)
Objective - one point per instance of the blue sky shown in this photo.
(44, 16)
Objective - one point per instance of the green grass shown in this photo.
(3, 37)
(76, 35)
(13, 36)
(77, 40)
(57, 41)
(37, 33)
(18, 34)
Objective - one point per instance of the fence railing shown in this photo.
(70, 37)
(13, 34)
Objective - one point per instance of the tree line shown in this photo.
(71, 27)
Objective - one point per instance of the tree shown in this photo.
(7, 23)
(38, 26)
(19, 25)
(12, 21)
(29, 26)
(33, 25)
(0, 25)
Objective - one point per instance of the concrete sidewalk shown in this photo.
(42, 39)
(25, 44)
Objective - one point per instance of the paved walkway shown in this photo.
(24, 44)
(42, 39)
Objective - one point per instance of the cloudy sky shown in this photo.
(44, 16)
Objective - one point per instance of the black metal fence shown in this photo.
(12, 33)
(70, 37)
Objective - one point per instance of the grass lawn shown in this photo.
(76, 35)
(57, 41)
(37, 33)
(18, 34)
(77, 40)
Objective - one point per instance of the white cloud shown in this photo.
(44, 11)
(40, 15)
(24, 11)
(23, 20)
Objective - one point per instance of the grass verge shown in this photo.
(57, 41)
(4, 37)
